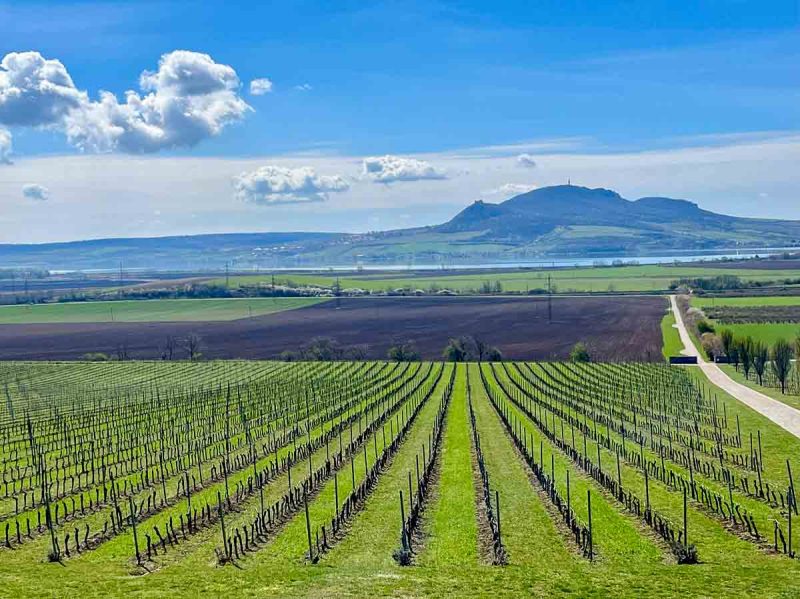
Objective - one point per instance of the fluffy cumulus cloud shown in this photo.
(34, 191)
(260, 87)
(526, 160)
(5, 146)
(188, 99)
(270, 185)
(387, 169)
(36, 92)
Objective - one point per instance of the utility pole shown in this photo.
(549, 300)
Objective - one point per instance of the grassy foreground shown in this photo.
(150, 310)
(542, 559)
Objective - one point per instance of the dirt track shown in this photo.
(615, 328)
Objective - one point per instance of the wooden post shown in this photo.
(222, 525)
(591, 534)
(497, 505)
(133, 524)
(308, 526)
(336, 491)
(685, 522)
(569, 501)
(403, 522)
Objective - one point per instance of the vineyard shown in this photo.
(378, 478)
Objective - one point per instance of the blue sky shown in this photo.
(425, 80)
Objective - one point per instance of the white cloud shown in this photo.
(303, 87)
(184, 73)
(271, 185)
(509, 190)
(260, 87)
(34, 191)
(386, 169)
(526, 160)
(5, 146)
(35, 92)
(191, 98)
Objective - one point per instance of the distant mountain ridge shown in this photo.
(564, 220)
(570, 211)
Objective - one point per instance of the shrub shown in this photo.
(96, 357)
(712, 345)
(403, 352)
(580, 353)
(703, 326)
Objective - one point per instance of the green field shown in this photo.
(672, 339)
(648, 278)
(328, 448)
(766, 300)
(768, 332)
(150, 310)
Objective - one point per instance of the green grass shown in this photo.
(766, 300)
(648, 278)
(451, 530)
(672, 340)
(768, 332)
(150, 310)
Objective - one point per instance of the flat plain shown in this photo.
(161, 310)
(621, 328)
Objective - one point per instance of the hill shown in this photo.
(563, 220)
(572, 219)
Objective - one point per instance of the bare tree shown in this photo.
(122, 351)
(760, 359)
(192, 345)
(403, 352)
(782, 361)
(170, 345)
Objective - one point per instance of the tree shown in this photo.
(403, 352)
(494, 355)
(745, 346)
(468, 348)
(712, 345)
(456, 351)
(322, 349)
(358, 352)
(192, 345)
(170, 345)
(782, 361)
(580, 353)
(727, 339)
(760, 359)
(122, 351)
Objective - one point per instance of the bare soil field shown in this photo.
(614, 328)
